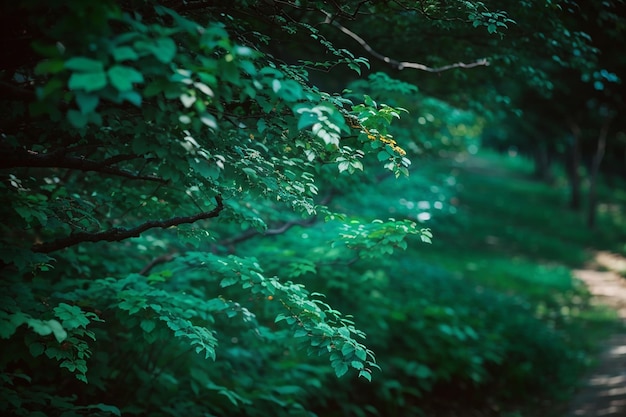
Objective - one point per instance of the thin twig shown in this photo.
(250, 233)
(400, 65)
(157, 261)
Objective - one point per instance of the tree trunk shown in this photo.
(542, 163)
(572, 165)
(593, 175)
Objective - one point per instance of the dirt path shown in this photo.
(604, 392)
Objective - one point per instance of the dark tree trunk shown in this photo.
(572, 164)
(593, 174)
(543, 161)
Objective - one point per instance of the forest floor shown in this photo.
(603, 392)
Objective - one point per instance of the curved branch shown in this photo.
(117, 234)
(400, 65)
(22, 158)
(157, 261)
(250, 233)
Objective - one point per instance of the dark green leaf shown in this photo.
(49, 66)
(86, 102)
(77, 118)
(83, 64)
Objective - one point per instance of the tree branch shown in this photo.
(157, 261)
(117, 234)
(400, 65)
(250, 233)
(21, 158)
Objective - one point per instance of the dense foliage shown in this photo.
(198, 219)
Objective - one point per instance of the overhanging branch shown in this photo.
(22, 158)
(400, 65)
(250, 233)
(117, 234)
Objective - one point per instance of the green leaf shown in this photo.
(59, 333)
(86, 102)
(251, 172)
(123, 77)
(84, 64)
(147, 325)
(307, 119)
(383, 156)
(347, 349)
(355, 68)
(164, 50)
(343, 166)
(111, 409)
(44, 328)
(49, 66)
(50, 87)
(357, 165)
(90, 81)
(77, 118)
(208, 120)
(124, 53)
(71, 315)
(187, 100)
(131, 96)
(36, 349)
(204, 88)
(228, 281)
(340, 369)
(365, 374)
(8, 327)
(300, 333)
(360, 353)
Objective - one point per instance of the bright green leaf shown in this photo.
(164, 50)
(124, 53)
(228, 281)
(340, 369)
(89, 81)
(123, 77)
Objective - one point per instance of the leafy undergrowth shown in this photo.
(487, 320)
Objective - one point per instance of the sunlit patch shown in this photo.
(423, 216)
